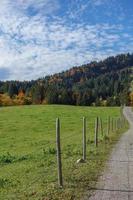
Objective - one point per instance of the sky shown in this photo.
(43, 37)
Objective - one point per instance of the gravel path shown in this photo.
(116, 183)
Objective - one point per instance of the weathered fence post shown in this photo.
(121, 110)
(118, 124)
(58, 147)
(112, 124)
(101, 126)
(96, 132)
(115, 125)
(84, 138)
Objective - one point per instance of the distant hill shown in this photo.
(98, 83)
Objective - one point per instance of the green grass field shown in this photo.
(28, 168)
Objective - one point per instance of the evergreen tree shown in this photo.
(12, 90)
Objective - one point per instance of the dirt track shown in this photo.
(116, 183)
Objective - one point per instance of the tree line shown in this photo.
(103, 83)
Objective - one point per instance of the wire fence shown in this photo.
(70, 147)
(102, 133)
(76, 147)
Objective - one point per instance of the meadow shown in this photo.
(28, 166)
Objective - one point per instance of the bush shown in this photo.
(6, 159)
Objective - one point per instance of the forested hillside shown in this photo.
(98, 83)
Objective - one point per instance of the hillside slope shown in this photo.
(98, 83)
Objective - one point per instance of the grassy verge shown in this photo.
(28, 151)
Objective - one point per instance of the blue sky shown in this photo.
(42, 37)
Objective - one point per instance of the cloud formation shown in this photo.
(33, 7)
(35, 42)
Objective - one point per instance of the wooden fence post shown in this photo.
(96, 132)
(58, 147)
(112, 124)
(120, 122)
(84, 138)
(116, 124)
(101, 126)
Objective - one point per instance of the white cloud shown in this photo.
(40, 7)
(99, 2)
(32, 47)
